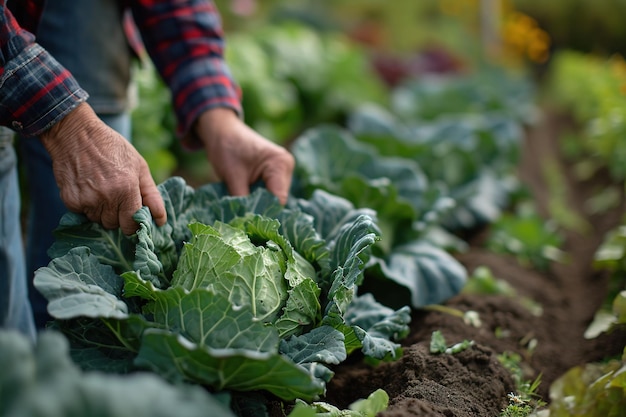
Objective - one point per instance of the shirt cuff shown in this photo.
(36, 92)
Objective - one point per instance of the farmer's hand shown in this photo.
(240, 156)
(100, 173)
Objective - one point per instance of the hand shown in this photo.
(100, 173)
(240, 156)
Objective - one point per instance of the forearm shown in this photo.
(35, 90)
(186, 44)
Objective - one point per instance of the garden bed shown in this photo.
(474, 382)
(410, 203)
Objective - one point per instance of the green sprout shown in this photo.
(438, 344)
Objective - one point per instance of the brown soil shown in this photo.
(473, 382)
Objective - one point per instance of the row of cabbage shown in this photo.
(438, 164)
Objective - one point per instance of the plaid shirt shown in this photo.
(183, 39)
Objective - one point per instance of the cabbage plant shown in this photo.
(234, 293)
(41, 380)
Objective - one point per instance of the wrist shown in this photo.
(215, 123)
(214, 117)
(66, 130)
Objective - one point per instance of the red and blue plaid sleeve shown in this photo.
(185, 41)
(35, 90)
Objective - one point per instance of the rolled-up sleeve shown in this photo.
(184, 40)
(35, 90)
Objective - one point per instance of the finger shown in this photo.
(128, 206)
(238, 185)
(278, 179)
(109, 218)
(94, 206)
(94, 214)
(278, 185)
(152, 198)
(127, 223)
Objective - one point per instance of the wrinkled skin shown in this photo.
(99, 172)
(103, 176)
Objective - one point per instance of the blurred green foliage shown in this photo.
(593, 89)
(399, 24)
(534, 241)
(294, 77)
(400, 27)
(593, 390)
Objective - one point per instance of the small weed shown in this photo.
(438, 344)
(518, 407)
(526, 401)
